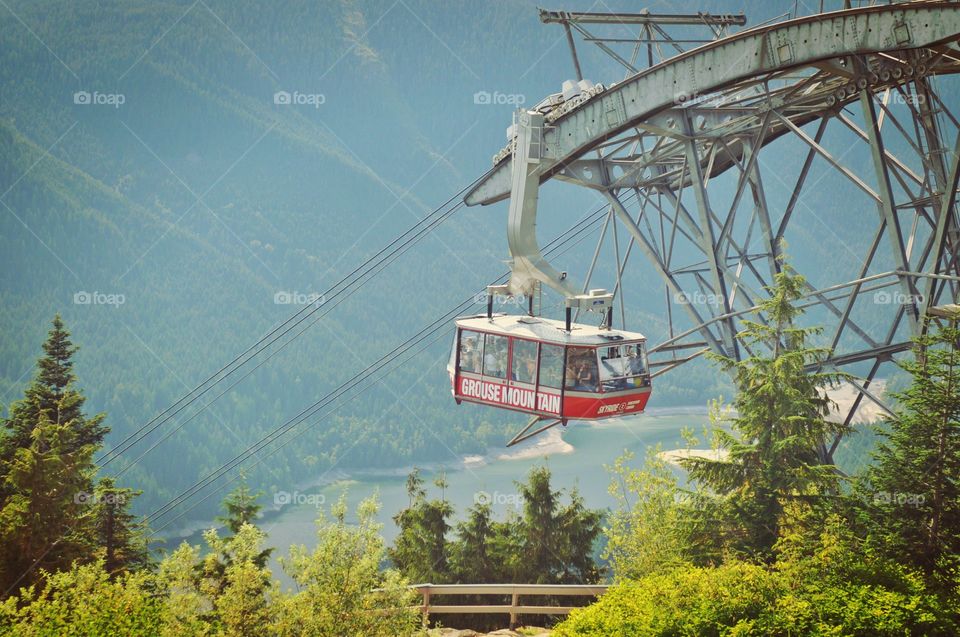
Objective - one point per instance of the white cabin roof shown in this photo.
(544, 329)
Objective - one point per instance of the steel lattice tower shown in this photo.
(682, 151)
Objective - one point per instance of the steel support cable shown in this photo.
(331, 410)
(271, 337)
(570, 235)
(259, 347)
(372, 273)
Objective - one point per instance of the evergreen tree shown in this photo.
(555, 542)
(484, 552)
(415, 488)
(45, 516)
(538, 530)
(242, 510)
(473, 555)
(420, 550)
(121, 534)
(434, 520)
(53, 394)
(777, 449)
(548, 544)
(50, 512)
(241, 507)
(579, 529)
(914, 484)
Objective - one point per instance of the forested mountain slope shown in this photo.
(144, 156)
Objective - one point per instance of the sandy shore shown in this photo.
(548, 443)
(674, 456)
(867, 412)
(551, 441)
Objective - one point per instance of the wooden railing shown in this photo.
(515, 608)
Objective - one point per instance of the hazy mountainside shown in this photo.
(199, 198)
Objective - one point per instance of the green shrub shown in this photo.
(83, 601)
(743, 599)
(857, 609)
(686, 601)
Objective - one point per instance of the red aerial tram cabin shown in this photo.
(534, 365)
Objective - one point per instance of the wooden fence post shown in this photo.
(425, 607)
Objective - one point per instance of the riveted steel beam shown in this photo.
(791, 44)
(589, 17)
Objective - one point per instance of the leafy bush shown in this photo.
(84, 601)
(686, 601)
(744, 599)
(341, 591)
(856, 609)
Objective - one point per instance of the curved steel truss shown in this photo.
(696, 143)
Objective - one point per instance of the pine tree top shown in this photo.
(241, 507)
(53, 395)
(56, 368)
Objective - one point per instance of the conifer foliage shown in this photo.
(52, 512)
(543, 541)
(53, 394)
(776, 449)
(913, 489)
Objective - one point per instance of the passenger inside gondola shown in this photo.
(531, 370)
(636, 366)
(470, 353)
(570, 374)
(581, 369)
(587, 376)
(495, 356)
(635, 358)
(524, 361)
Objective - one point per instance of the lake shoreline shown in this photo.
(550, 443)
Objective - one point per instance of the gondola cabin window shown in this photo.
(495, 352)
(551, 365)
(524, 361)
(581, 372)
(623, 367)
(471, 352)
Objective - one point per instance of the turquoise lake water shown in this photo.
(490, 477)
